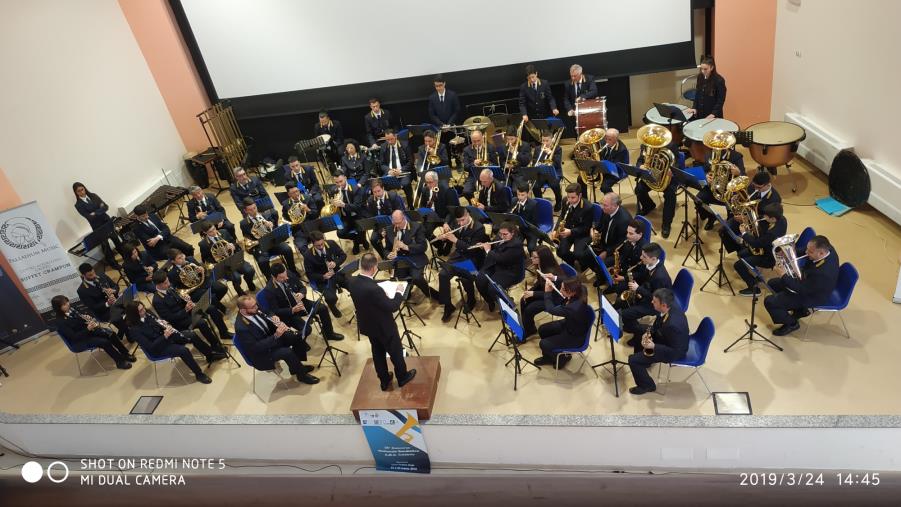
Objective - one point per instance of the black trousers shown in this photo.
(729, 244)
(322, 315)
(640, 363)
(551, 181)
(571, 248)
(415, 276)
(505, 280)
(246, 270)
(179, 244)
(587, 259)
(292, 356)
(180, 351)
(104, 339)
(444, 279)
(553, 336)
(606, 186)
(351, 232)
(643, 193)
(204, 328)
(631, 314)
(779, 305)
(390, 345)
(706, 196)
(529, 308)
(329, 288)
(761, 261)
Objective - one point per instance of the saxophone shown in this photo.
(657, 157)
(629, 296)
(615, 272)
(560, 227)
(719, 142)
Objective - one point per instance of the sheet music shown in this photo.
(391, 287)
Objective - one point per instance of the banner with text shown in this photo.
(396, 440)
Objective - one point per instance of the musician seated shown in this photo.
(92, 207)
(535, 97)
(179, 274)
(213, 237)
(629, 254)
(348, 199)
(613, 151)
(464, 233)
(436, 197)
(163, 340)
(607, 233)
(353, 164)
(246, 187)
(573, 226)
(444, 105)
(504, 263)
(381, 202)
(514, 154)
(139, 266)
(532, 301)
(155, 235)
(647, 277)
(764, 193)
(428, 151)
(285, 296)
(322, 262)
(296, 210)
(706, 193)
(98, 292)
(406, 244)
(543, 156)
(478, 154)
(176, 309)
(376, 122)
(304, 178)
(201, 204)
(571, 330)
(492, 196)
(643, 192)
(397, 163)
(526, 208)
(664, 341)
(263, 223)
(83, 333)
(331, 128)
(793, 296)
(757, 250)
(265, 342)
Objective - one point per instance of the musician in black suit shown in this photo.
(606, 234)
(764, 193)
(170, 305)
(376, 122)
(98, 292)
(332, 128)
(83, 334)
(613, 151)
(297, 200)
(161, 340)
(212, 236)
(353, 164)
(94, 210)
(504, 263)
(531, 303)
(264, 221)
(266, 340)
(543, 156)
(396, 161)
(492, 196)
(643, 192)
(468, 234)
(375, 318)
(526, 208)
(710, 91)
(478, 154)
(305, 179)
(155, 235)
(430, 141)
(580, 87)
(139, 266)
(571, 330)
(322, 262)
(381, 202)
(665, 341)
(705, 195)
(513, 155)
(201, 204)
(648, 276)
(246, 187)
(434, 196)
(573, 226)
(758, 247)
(793, 297)
(535, 97)
(407, 240)
(349, 201)
(285, 296)
(629, 254)
(444, 105)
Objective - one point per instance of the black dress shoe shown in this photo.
(709, 225)
(123, 365)
(356, 249)
(131, 358)
(448, 313)
(800, 314)
(204, 379)
(665, 232)
(406, 380)
(306, 378)
(645, 212)
(385, 384)
(542, 361)
(749, 292)
(335, 337)
(306, 368)
(641, 390)
(786, 328)
(215, 356)
(335, 311)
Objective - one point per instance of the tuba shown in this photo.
(297, 213)
(719, 142)
(220, 250)
(191, 276)
(737, 192)
(786, 255)
(657, 157)
(588, 147)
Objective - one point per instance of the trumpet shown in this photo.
(480, 245)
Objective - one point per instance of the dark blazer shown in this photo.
(469, 156)
(149, 334)
(414, 237)
(247, 224)
(315, 264)
(630, 255)
(613, 228)
(528, 211)
(312, 214)
(374, 310)
(333, 129)
(648, 282)
(767, 236)
(95, 212)
(557, 158)
(771, 197)
(618, 153)
(306, 177)
(499, 201)
(76, 331)
(175, 280)
(420, 157)
(206, 254)
(375, 127)
(818, 280)
(538, 288)
(588, 89)
(403, 152)
(670, 335)
(505, 258)
(467, 237)
(171, 307)
(711, 102)
(356, 167)
(254, 189)
(522, 157)
(134, 270)
(390, 202)
(443, 198)
(576, 317)
(538, 103)
(353, 200)
(447, 112)
(212, 205)
(257, 344)
(278, 302)
(94, 298)
(578, 218)
(146, 232)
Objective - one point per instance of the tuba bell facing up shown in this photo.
(589, 147)
(786, 255)
(719, 142)
(737, 192)
(658, 159)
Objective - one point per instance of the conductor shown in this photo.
(375, 316)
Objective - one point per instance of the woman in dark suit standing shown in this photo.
(94, 210)
(710, 91)
(570, 331)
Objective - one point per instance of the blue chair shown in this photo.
(254, 369)
(544, 212)
(261, 301)
(597, 211)
(698, 345)
(682, 286)
(583, 350)
(156, 360)
(568, 270)
(352, 182)
(680, 160)
(648, 230)
(509, 192)
(76, 350)
(840, 297)
(806, 235)
(662, 254)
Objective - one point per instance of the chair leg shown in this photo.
(847, 333)
(156, 376)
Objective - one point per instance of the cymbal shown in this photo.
(483, 123)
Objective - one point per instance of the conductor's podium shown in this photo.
(417, 395)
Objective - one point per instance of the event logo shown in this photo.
(21, 232)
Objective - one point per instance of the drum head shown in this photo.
(849, 181)
(695, 130)
(654, 117)
(774, 133)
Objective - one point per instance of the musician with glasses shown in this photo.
(607, 233)
(535, 97)
(444, 105)
(155, 235)
(463, 233)
(201, 204)
(82, 332)
(478, 154)
(579, 88)
(246, 187)
(224, 243)
(757, 243)
(573, 226)
(504, 263)
(285, 296)
(406, 239)
(264, 223)
(322, 262)
(434, 196)
(98, 292)
(176, 309)
(793, 296)
(542, 155)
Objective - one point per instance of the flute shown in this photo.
(552, 285)
(443, 234)
(480, 245)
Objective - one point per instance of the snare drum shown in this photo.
(590, 114)
(674, 126)
(695, 130)
(774, 143)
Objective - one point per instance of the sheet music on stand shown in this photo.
(511, 318)
(213, 218)
(232, 262)
(277, 235)
(200, 308)
(391, 287)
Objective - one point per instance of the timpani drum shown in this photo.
(774, 143)
(695, 130)
(590, 114)
(674, 126)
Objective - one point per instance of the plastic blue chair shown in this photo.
(156, 360)
(682, 286)
(583, 350)
(596, 212)
(801, 245)
(509, 192)
(544, 212)
(680, 160)
(352, 182)
(568, 270)
(261, 301)
(840, 297)
(662, 254)
(254, 369)
(647, 226)
(76, 350)
(698, 345)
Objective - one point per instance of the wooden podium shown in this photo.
(419, 394)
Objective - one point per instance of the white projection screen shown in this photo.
(263, 47)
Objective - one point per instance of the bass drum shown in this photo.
(694, 134)
(591, 114)
(774, 143)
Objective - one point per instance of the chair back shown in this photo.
(71, 346)
(352, 182)
(585, 344)
(568, 270)
(596, 212)
(844, 287)
(261, 301)
(509, 192)
(698, 344)
(240, 348)
(806, 235)
(544, 211)
(647, 226)
(682, 286)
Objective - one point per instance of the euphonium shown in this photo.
(297, 213)
(737, 192)
(719, 142)
(658, 159)
(785, 253)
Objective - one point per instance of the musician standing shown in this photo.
(381, 203)
(83, 334)
(246, 187)
(397, 162)
(94, 210)
(504, 263)
(532, 301)
(535, 97)
(155, 235)
(526, 208)
(764, 193)
(406, 239)
(570, 331)
(543, 156)
(648, 276)
(349, 201)
(375, 318)
(710, 91)
(477, 155)
(269, 220)
(322, 262)
(285, 297)
(376, 122)
(98, 292)
(444, 105)
(665, 341)
(201, 204)
(643, 192)
(331, 128)
(176, 309)
(606, 234)
(793, 296)
(212, 236)
(757, 250)
(580, 87)
(468, 234)
(573, 226)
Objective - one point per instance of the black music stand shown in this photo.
(673, 113)
(614, 364)
(462, 311)
(594, 170)
(277, 235)
(213, 218)
(530, 174)
(720, 272)
(406, 334)
(229, 264)
(323, 224)
(752, 326)
(329, 349)
(511, 331)
(686, 181)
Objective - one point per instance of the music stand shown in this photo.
(611, 320)
(511, 330)
(229, 264)
(602, 267)
(406, 334)
(686, 180)
(213, 218)
(323, 224)
(530, 174)
(720, 272)
(469, 267)
(752, 326)
(329, 349)
(201, 306)
(117, 310)
(277, 235)
(673, 113)
(593, 168)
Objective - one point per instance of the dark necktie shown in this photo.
(393, 156)
(577, 89)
